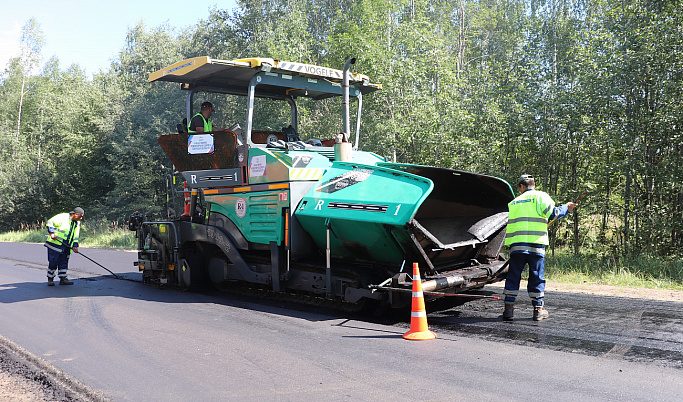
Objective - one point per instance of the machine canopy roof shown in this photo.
(279, 78)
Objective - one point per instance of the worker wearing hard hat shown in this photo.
(527, 236)
(63, 232)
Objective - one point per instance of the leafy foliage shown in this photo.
(583, 95)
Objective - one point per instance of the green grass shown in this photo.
(636, 271)
(93, 234)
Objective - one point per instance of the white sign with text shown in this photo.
(200, 144)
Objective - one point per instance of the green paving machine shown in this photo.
(321, 217)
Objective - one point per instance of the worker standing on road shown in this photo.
(63, 239)
(200, 122)
(527, 236)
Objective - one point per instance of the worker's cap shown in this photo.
(77, 210)
(207, 105)
(523, 178)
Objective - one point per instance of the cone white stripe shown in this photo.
(418, 294)
(418, 314)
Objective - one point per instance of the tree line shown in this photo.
(583, 94)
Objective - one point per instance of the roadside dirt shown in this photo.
(600, 289)
(620, 291)
(27, 378)
(15, 387)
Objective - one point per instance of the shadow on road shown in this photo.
(126, 287)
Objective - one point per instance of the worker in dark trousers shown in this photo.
(63, 232)
(527, 236)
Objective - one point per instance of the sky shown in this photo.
(91, 33)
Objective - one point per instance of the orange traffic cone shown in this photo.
(188, 198)
(418, 316)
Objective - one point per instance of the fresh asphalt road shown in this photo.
(139, 343)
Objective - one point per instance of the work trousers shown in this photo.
(536, 284)
(57, 262)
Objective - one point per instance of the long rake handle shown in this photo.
(116, 276)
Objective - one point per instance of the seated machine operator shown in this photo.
(200, 122)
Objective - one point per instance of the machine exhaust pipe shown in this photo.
(345, 93)
(342, 147)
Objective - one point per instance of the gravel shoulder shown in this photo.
(26, 377)
(617, 291)
(599, 289)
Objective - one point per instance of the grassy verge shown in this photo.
(636, 271)
(93, 234)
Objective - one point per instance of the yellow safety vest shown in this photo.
(528, 218)
(208, 127)
(66, 230)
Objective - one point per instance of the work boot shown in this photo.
(508, 312)
(50, 281)
(540, 313)
(65, 281)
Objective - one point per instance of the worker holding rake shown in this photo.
(63, 232)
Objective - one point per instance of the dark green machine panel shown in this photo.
(366, 207)
(258, 215)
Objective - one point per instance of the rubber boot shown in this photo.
(509, 312)
(50, 281)
(65, 281)
(540, 313)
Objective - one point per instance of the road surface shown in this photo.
(133, 342)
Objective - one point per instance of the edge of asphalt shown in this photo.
(51, 376)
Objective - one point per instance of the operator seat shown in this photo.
(182, 127)
(290, 135)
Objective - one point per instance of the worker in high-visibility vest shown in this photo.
(200, 122)
(63, 231)
(527, 236)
